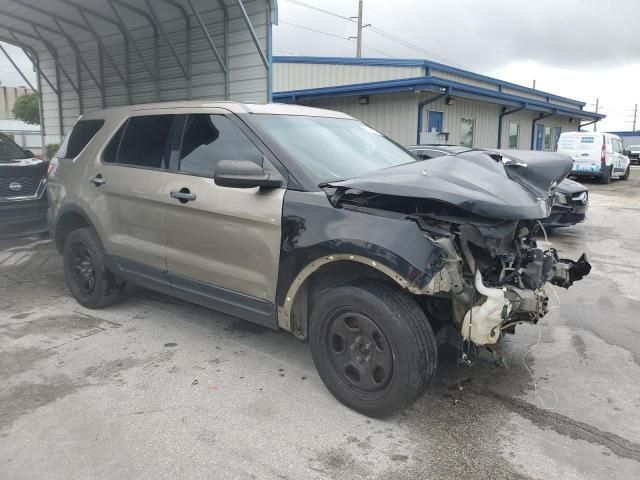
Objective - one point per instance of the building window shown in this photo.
(547, 139)
(467, 125)
(514, 134)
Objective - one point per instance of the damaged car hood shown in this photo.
(501, 185)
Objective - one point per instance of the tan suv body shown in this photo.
(309, 221)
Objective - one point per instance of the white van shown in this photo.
(595, 154)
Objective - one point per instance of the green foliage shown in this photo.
(27, 109)
(52, 148)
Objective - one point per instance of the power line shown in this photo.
(383, 33)
(313, 30)
(375, 50)
(330, 35)
(415, 47)
(317, 9)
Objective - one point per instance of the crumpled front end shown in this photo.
(484, 210)
(496, 275)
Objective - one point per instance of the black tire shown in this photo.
(355, 329)
(627, 172)
(606, 178)
(90, 281)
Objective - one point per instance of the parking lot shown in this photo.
(155, 387)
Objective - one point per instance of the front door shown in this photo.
(222, 243)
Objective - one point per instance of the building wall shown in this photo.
(524, 119)
(296, 76)
(396, 115)
(8, 97)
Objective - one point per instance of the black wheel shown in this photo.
(627, 172)
(606, 178)
(87, 276)
(373, 347)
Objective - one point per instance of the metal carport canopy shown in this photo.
(93, 54)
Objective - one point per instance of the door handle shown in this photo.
(98, 180)
(183, 195)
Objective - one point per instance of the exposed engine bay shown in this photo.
(491, 269)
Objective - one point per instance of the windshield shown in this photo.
(331, 149)
(9, 150)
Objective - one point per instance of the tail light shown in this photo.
(51, 167)
(603, 153)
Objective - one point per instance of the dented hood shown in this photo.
(503, 185)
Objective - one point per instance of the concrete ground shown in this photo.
(157, 388)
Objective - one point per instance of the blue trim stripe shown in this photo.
(432, 84)
(392, 62)
(629, 133)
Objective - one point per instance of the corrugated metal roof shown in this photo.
(393, 62)
(92, 54)
(434, 84)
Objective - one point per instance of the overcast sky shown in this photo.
(583, 49)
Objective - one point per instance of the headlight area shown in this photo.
(496, 276)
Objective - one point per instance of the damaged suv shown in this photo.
(309, 221)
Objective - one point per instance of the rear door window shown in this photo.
(210, 138)
(141, 142)
(79, 138)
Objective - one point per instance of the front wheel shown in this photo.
(373, 347)
(90, 281)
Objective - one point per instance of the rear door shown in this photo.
(125, 192)
(223, 244)
(585, 149)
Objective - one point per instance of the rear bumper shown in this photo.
(23, 218)
(598, 173)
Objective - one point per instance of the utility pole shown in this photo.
(595, 124)
(359, 39)
(635, 116)
(534, 83)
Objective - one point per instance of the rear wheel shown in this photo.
(91, 283)
(606, 177)
(627, 172)
(373, 347)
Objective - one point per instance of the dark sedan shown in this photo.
(571, 198)
(23, 190)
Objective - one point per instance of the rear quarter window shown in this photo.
(79, 138)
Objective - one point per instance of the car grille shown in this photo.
(28, 186)
(581, 198)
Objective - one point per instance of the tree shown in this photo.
(27, 109)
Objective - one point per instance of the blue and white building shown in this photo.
(629, 137)
(419, 101)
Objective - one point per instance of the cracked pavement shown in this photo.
(154, 387)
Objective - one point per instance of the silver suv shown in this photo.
(309, 221)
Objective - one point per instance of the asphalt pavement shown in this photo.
(155, 387)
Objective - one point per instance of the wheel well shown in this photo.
(327, 276)
(438, 310)
(68, 222)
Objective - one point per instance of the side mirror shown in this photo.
(29, 154)
(245, 174)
